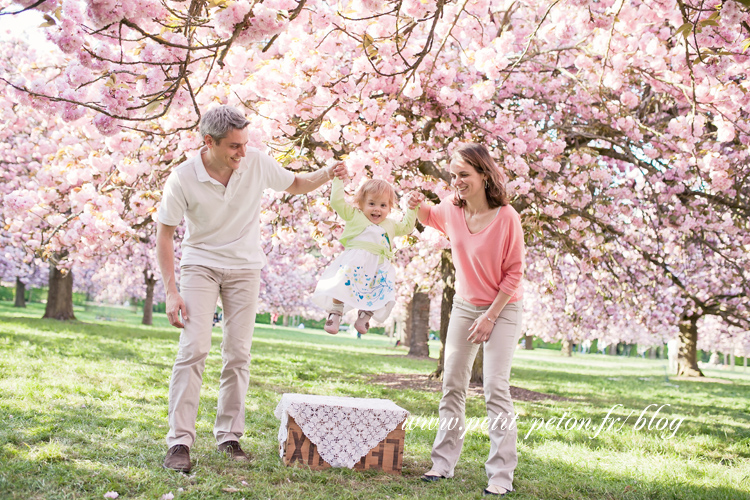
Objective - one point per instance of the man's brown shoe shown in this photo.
(233, 451)
(178, 458)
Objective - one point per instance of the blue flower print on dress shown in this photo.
(365, 287)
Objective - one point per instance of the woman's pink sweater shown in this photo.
(489, 261)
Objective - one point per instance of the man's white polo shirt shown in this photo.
(223, 223)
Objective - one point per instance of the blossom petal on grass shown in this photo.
(111, 494)
(167, 496)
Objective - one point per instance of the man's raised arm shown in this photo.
(310, 181)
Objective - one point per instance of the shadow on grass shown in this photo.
(556, 479)
(103, 329)
(92, 350)
(633, 391)
(75, 425)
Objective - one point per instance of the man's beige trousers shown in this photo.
(200, 288)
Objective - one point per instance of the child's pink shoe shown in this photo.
(333, 322)
(363, 321)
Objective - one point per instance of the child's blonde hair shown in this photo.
(375, 188)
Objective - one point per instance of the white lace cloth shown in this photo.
(343, 429)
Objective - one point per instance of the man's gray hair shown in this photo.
(217, 122)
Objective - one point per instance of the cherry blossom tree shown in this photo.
(17, 266)
(125, 275)
(648, 180)
(622, 126)
(18, 158)
(73, 194)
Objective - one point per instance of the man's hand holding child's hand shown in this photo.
(338, 170)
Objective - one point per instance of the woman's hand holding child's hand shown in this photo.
(414, 198)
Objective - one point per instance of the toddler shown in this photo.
(362, 277)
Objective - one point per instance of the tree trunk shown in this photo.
(687, 354)
(613, 349)
(420, 324)
(529, 343)
(20, 293)
(448, 273)
(567, 348)
(60, 295)
(148, 303)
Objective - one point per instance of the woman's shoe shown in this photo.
(496, 490)
(431, 477)
(363, 321)
(333, 322)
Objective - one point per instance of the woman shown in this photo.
(488, 253)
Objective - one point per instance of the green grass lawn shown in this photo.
(83, 410)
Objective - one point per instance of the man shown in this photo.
(218, 191)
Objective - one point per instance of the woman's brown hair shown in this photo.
(479, 158)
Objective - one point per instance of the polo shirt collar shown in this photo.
(202, 174)
(200, 169)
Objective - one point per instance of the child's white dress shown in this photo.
(360, 279)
